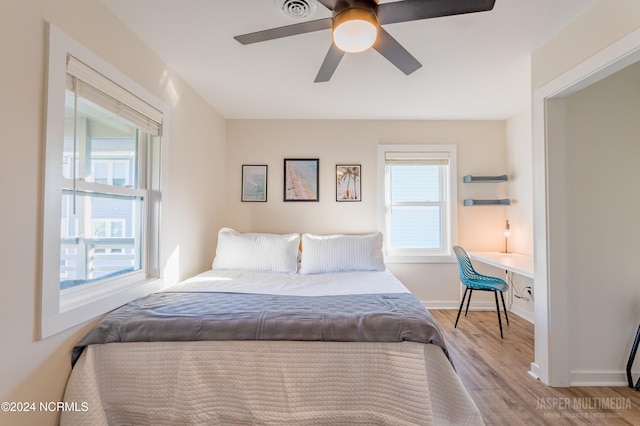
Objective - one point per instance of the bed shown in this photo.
(272, 336)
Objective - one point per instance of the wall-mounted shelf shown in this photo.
(474, 202)
(471, 179)
(487, 179)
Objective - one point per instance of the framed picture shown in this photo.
(301, 180)
(348, 182)
(254, 182)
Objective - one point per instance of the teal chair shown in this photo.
(475, 281)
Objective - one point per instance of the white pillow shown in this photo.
(257, 251)
(341, 253)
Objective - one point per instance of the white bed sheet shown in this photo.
(341, 283)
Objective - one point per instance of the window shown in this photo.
(418, 202)
(102, 187)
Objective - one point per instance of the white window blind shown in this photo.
(434, 158)
(100, 90)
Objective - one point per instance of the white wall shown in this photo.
(37, 371)
(519, 161)
(567, 173)
(520, 212)
(602, 174)
(597, 28)
(481, 150)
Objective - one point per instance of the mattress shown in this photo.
(270, 382)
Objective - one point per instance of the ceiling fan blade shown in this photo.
(414, 10)
(286, 31)
(329, 65)
(389, 47)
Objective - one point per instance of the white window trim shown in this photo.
(55, 318)
(452, 182)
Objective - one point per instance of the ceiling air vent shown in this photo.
(297, 9)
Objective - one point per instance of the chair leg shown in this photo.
(632, 356)
(495, 293)
(468, 302)
(504, 307)
(461, 303)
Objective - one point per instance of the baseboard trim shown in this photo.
(599, 378)
(479, 306)
(534, 371)
(526, 315)
(439, 305)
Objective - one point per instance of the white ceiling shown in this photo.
(475, 66)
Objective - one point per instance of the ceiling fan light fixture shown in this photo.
(355, 30)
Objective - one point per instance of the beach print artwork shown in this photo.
(348, 183)
(301, 179)
(254, 183)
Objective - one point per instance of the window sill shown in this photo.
(391, 259)
(63, 320)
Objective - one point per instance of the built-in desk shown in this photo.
(512, 262)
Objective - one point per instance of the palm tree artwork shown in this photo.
(348, 183)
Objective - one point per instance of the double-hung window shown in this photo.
(418, 212)
(102, 187)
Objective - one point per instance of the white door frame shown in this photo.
(551, 308)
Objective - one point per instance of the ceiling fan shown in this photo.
(357, 25)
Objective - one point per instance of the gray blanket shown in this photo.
(194, 316)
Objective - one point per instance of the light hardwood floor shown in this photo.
(495, 373)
